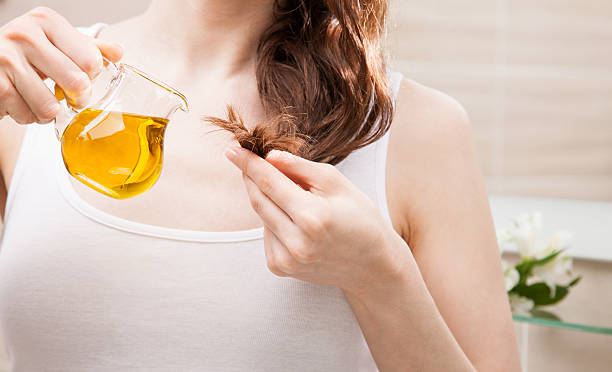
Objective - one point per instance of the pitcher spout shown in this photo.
(183, 102)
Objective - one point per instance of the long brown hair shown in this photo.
(322, 80)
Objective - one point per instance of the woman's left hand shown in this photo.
(319, 227)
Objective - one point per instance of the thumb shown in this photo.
(308, 174)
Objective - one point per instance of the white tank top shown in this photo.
(82, 290)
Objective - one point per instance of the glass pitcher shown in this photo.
(115, 144)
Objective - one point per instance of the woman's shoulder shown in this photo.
(424, 111)
(430, 139)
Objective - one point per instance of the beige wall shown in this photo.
(536, 78)
(79, 13)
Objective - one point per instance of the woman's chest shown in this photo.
(82, 300)
(81, 289)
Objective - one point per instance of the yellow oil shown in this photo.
(116, 153)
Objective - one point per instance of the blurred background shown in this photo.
(536, 79)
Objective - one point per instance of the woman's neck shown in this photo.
(217, 35)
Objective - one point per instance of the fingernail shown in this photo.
(56, 108)
(278, 154)
(231, 153)
(99, 66)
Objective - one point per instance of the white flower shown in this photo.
(527, 234)
(505, 240)
(520, 305)
(511, 276)
(559, 240)
(526, 237)
(553, 271)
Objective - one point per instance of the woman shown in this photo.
(387, 260)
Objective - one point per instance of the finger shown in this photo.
(283, 260)
(280, 189)
(50, 61)
(308, 174)
(85, 51)
(269, 240)
(14, 105)
(285, 230)
(35, 93)
(272, 216)
(110, 50)
(77, 46)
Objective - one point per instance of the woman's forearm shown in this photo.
(403, 327)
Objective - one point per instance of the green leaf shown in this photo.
(548, 258)
(540, 294)
(574, 282)
(525, 267)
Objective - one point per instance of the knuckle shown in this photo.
(256, 204)
(274, 269)
(42, 13)
(8, 61)
(30, 119)
(92, 64)
(324, 217)
(307, 220)
(19, 34)
(48, 111)
(265, 185)
(23, 119)
(78, 84)
(303, 253)
(246, 165)
(286, 265)
(311, 222)
(6, 89)
(17, 119)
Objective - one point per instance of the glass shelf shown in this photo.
(588, 306)
(571, 314)
(549, 322)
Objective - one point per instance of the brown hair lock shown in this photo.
(322, 80)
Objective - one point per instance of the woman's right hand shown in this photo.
(42, 44)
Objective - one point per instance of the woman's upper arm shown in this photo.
(11, 135)
(439, 204)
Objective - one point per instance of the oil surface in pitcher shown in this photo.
(118, 154)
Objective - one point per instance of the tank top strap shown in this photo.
(366, 167)
(395, 80)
